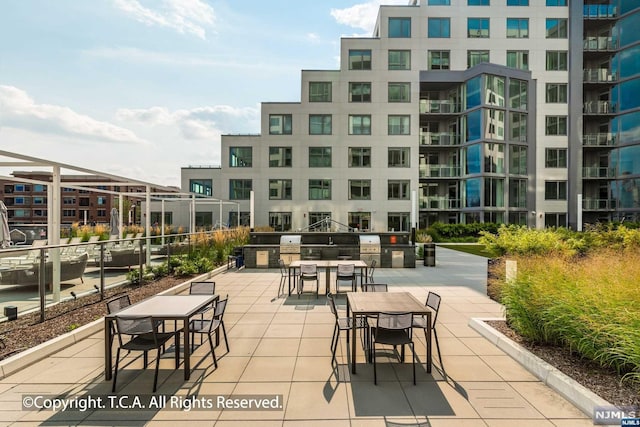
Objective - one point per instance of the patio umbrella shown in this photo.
(114, 223)
(5, 237)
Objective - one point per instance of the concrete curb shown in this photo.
(580, 396)
(28, 357)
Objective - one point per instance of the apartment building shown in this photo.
(458, 111)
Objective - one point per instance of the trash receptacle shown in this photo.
(239, 261)
(429, 255)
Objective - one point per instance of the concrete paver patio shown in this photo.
(281, 346)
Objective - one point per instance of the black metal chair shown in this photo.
(392, 329)
(201, 288)
(371, 270)
(210, 326)
(285, 277)
(142, 336)
(420, 321)
(343, 324)
(376, 287)
(346, 272)
(308, 272)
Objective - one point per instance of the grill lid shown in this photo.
(369, 244)
(290, 240)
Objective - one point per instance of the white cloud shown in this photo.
(363, 15)
(203, 123)
(19, 111)
(184, 16)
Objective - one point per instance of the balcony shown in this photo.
(599, 107)
(595, 44)
(598, 140)
(439, 171)
(439, 138)
(599, 75)
(598, 204)
(438, 106)
(600, 11)
(597, 172)
(439, 203)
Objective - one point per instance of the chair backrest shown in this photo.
(283, 268)
(308, 269)
(202, 288)
(117, 304)
(221, 305)
(372, 267)
(395, 321)
(135, 326)
(332, 305)
(376, 287)
(346, 269)
(433, 302)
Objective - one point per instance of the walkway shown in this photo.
(280, 346)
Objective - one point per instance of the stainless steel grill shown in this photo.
(290, 244)
(370, 248)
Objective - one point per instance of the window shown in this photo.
(320, 124)
(398, 190)
(518, 94)
(494, 90)
(65, 200)
(360, 125)
(555, 125)
(319, 91)
(359, 157)
(556, 60)
(399, 157)
(517, 2)
(556, 93)
(439, 59)
(39, 200)
(40, 213)
(243, 219)
(319, 189)
(399, 92)
(494, 192)
(280, 221)
(398, 125)
(67, 213)
(439, 28)
(359, 220)
(478, 2)
(320, 221)
(475, 57)
(518, 59)
(439, 2)
(240, 157)
(477, 27)
(399, 27)
(398, 221)
(360, 59)
(319, 157)
(280, 157)
(517, 160)
(101, 212)
(518, 127)
(493, 158)
(399, 59)
(21, 201)
(555, 190)
(156, 217)
(359, 189)
(204, 219)
(557, 2)
(280, 189)
(517, 28)
(555, 219)
(555, 158)
(518, 193)
(359, 92)
(280, 124)
(557, 28)
(20, 188)
(101, 200)
(198, 186)
(39, 188)
(240, 189)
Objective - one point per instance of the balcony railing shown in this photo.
(598, 204)
(600, 11)
(599, 139)
(597, 172)
(439, 202)
(438, 106)
(599, 75)
(439, 138)
(600, 43)
(599, 107)
(439, 171)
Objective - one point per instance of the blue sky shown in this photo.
(141, 88)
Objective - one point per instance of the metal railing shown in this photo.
(599, 43)
(598, 204)
(438, 106)
(439, 138)
(599, 107)
(599, 75)
(599, 139)
(597, 172)
(439, 171)
(438, 202)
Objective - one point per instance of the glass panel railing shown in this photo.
(439, 202)
(599, 139)
(437, 106)
(599, 107)
(439, 138)
(597, 172)
(439, 171)
(599, 75)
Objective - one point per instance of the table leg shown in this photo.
(353, 339)
(108, 339)
(187, 349)
(289, 280)
(429, 343)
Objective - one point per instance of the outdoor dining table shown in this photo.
(159, 307)
(372, 303)
(329, 264)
